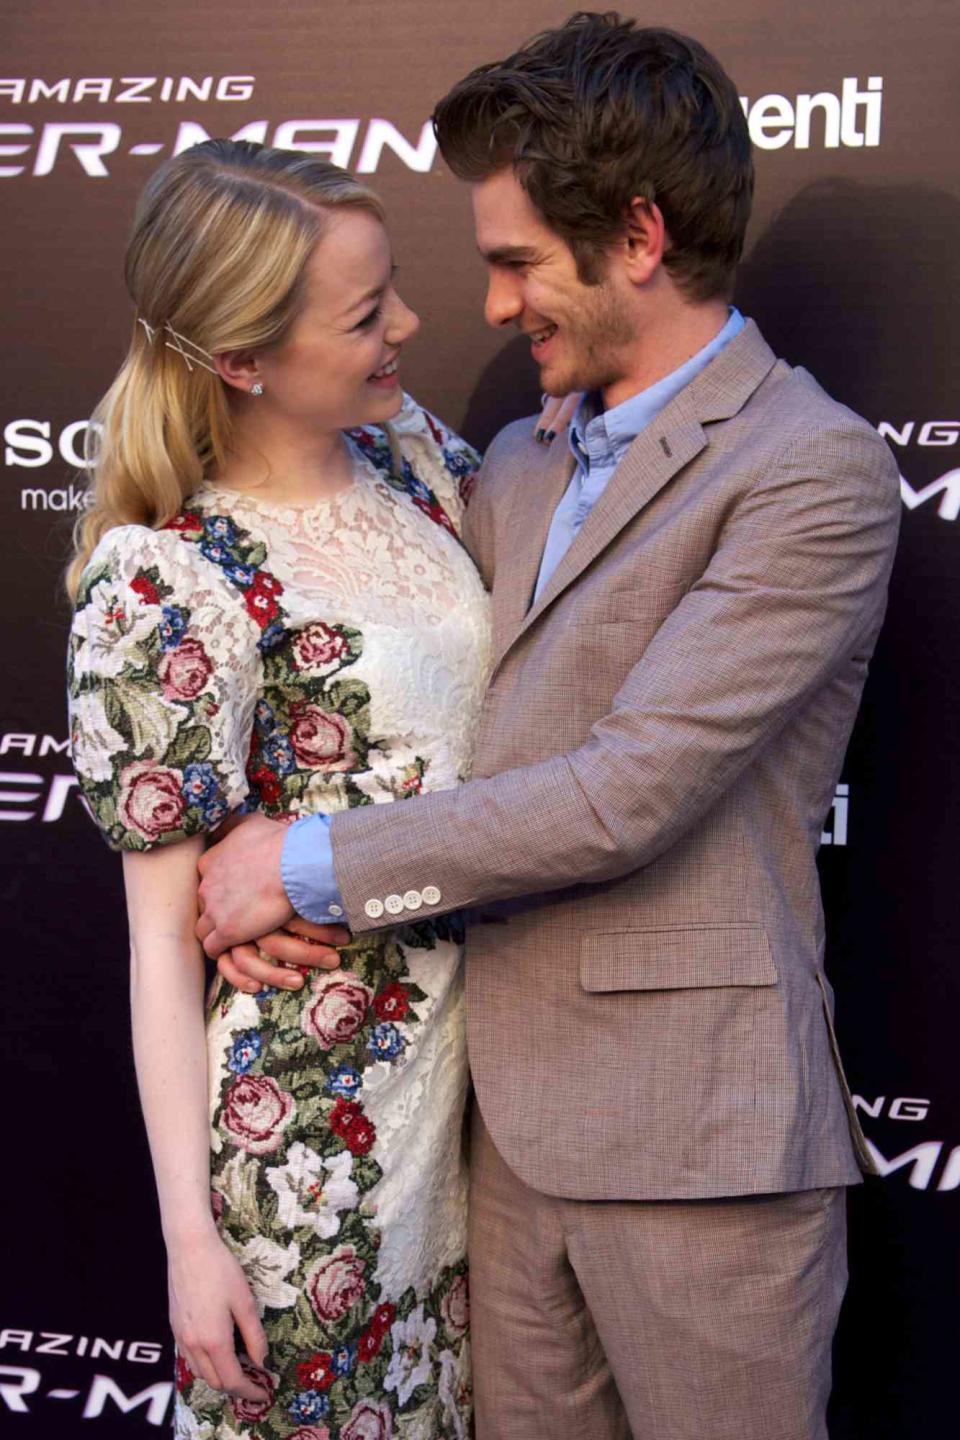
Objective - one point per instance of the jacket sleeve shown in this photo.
(796, 588)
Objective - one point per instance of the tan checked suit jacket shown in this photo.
(647, 1010)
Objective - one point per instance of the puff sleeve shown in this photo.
(163, 674)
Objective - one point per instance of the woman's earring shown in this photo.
(256, 390)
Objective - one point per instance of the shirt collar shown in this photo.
(614, 431)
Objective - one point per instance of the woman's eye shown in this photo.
(369, 319)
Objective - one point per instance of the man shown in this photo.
(685, 602)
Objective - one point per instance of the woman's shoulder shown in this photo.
(422, 454)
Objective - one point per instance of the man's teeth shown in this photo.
(390, 369)
(539, 336)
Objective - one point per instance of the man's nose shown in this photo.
(504, 302)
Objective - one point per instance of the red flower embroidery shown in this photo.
(368, 1346)
(436, 513)
(185, 1376)
(266, 783)
(267, 583)
(435, 429)
(317, 1373)
(148, 592)
(260, 598)
(349, 1122)
(382, 1318)
(392, 1003)
(186, 520)
(262, 607)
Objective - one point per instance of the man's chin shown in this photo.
(554, 384)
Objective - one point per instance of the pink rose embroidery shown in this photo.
(151, 800)
(321, 741)
(455, 1307)
(184, 671)
(335, 1283)
(316, 647)
(369, 1420)
(255, 1409)
(338, 1011)
(256, 1111)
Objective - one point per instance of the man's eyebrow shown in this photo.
(509, 254)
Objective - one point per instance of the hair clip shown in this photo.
(180, 341)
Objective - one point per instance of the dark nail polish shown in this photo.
(540, 434)
(550, 436)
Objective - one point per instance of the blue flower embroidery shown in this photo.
(215, 810)
(344, 1081)
(246, 1049)
(458, 464)
(272, 635)
(199, 783)
(264, 717)
(417, 489)
(172, 626)
(343, 1360)
(220, 527)
(309, 1405)
(239, 574)
(278, 752)
(385, 1042)
(216, 552)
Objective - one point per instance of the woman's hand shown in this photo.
(209, 1294)
(555, 415)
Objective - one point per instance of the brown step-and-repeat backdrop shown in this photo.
(852, 269)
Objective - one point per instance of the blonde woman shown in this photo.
(273, 610)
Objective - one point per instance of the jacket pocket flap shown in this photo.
(695, 956)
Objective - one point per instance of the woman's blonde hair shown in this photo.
(221, 238)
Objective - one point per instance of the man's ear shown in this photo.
(645, 240)
(239, 368)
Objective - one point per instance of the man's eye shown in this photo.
(369, 319)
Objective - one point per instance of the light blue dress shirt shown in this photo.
(598, 445)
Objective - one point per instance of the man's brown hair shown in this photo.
(598, 112)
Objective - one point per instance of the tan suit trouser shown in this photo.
(660, 1320)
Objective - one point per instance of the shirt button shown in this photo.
(413, 900)
(393, 904)
(335, 909)
(374, 909)
(431, 895)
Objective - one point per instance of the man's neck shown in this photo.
(670, 343)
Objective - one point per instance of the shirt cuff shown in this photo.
(306, 869)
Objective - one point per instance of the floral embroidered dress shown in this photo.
(301, 660)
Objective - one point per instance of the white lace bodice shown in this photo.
(371, 560)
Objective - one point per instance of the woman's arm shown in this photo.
(208, 1290)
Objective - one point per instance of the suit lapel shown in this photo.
(536, 498)
(674, 438)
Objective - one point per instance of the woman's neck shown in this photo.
(287, 464)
